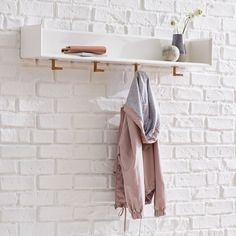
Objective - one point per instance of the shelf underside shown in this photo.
(121, 61)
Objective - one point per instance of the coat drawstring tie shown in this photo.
(123, 209)
(121, 212)
(139, 230)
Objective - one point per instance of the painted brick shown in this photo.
(72, 228)
(8, 39)
(77, 75)
(231, 232)
(73, 166)
(55, 213)
(8, 167)
(90, 182)
(73, 11)
(39, 229)
(197, 136)
(101, 166)
(103, 197)
(210, 80)
(55, 182)
(89, 121)
(14, 183)
(18, 215)
(211, 178)
(227, 137)
(84, 151)
(8, 7)
(213, 137)
(55, 151)
(188, 94)
(229, 54)
(36, 8)
(55, 121)
(17, 88)
(180, 136)
(124, 4)
(42, 136)
(217, 123)
(36, 167)
(9, 135)
(228, 220)
(7, 104)
(219, 95)
(204, 108)
(187, 6)
(190, 152)
(229, 24)
(19, 151)
(8, 229)
(74, 198)
(8, 199)
(89, 90)
(205, 222)
(220, 9)
(206, 193)
(184, 209)
(200, 165)
(107, 105)
(36, 105)
(219, 207)
(159, 5)
(207, 23)
(73, 105)
(228, 81)
(225, 177)
(230, 164)
(65, 136)
(57, 24)
(175, 166)
(227, 66)
(54, 90)
(220, 151)
(232, 38)
(189, 122)
(174, 108)
(88, 136)
(229, 192)
(142, 18)
(188, 180)
(18, 120)
(178, 194)
(40, 198)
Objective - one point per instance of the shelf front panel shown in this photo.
(122, 49)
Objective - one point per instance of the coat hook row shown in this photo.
(96, 69)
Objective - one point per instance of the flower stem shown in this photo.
(186, 24)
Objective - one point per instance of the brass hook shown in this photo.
(175, 73)
(54, 67)
(136, 67)
(95, 67)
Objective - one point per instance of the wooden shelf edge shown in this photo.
(107, 60)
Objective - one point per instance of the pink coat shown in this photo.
(137, 168)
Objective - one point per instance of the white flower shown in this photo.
(197, 12)
(173, 23)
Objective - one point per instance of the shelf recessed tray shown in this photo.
(40, 43)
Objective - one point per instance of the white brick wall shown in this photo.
(58, 131)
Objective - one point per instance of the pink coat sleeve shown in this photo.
(159, 198)
(131, 162)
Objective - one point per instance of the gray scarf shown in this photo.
(140, 99)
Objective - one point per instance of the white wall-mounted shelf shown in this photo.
(40, 43)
